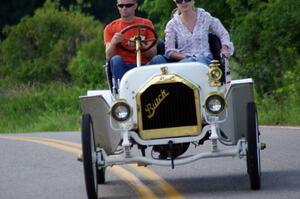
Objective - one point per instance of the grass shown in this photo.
(56, 107)
(53, 107)
(282, 111)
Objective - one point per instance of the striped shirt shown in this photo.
(180, 39)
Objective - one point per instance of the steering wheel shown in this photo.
(139, 29)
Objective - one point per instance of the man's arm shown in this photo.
(110, 47)
(151, 52)
(110, 50)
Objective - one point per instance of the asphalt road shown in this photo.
(32, 168)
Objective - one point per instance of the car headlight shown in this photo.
(215, 73)
(215, 104)
(120, 111)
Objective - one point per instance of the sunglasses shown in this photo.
(181, 1)
(126, 5)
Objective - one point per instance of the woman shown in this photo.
(187, 34)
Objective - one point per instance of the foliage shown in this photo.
(39, 107)
(85, 69)
(12, 11)
(274, 110)
(266, 41)
(40, 48)
(159, 12)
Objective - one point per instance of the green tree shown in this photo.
(40, 48)
(266, 41)
(12, 11)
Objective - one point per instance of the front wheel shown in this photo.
(89, 157)
(253, 152)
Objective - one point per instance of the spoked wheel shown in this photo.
(89, 157)
(253, 152)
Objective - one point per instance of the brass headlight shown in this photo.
(215, 73)
(215, 104)
(120, 111)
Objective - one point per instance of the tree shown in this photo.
(266, 41)
(43, 48)
(12, 11)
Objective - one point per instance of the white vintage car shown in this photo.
(163, 109)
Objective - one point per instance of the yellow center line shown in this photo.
(139, 187)
(169, 190)
(63, 142)
(51, 144)
(142, 190)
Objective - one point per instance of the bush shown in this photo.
(40, 48)
(86, 68)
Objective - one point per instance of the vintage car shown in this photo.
(163, 109)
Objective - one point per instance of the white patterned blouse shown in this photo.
(179, 39)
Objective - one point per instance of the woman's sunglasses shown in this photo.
(181, 1)
(127, 5)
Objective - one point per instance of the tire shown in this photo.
(89, 157)
(253, 151)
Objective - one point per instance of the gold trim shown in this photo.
(174, 131)
(170, 132)
(218, 94)
(151, 107)
(214, 62)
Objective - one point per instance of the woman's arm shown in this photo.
(175, 56)
(218, 28)
(171, 52)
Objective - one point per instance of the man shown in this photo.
(120, 60)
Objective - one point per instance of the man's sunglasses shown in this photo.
(126, 5)
(181, 1)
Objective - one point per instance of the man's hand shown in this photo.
(110, 48)
(117, 38)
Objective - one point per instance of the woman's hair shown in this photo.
(174, 12)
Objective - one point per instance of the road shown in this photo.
(35, 168)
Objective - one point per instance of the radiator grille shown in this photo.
(167, 106)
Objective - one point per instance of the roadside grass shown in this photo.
(274, 111)
(56, 107)
(34, 108)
